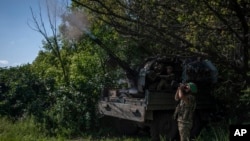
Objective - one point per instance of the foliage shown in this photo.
(215, 132)
(60, 89)
(36, 90)
(72, 113)
(23, 130)
(190, 26)
(28, 130)
(215, 29)
(74, 106)
(22, 91)
(245, 102)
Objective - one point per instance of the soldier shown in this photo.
(185, 109)
(153, 74)
(166, 79)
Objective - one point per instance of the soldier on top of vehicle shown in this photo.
(166, 78)
(152, 76)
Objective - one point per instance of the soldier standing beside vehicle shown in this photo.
(185, 109)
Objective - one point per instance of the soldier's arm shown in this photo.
(177, 94)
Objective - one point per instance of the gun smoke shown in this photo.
(74, 25)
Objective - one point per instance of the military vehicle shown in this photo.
(148, 100)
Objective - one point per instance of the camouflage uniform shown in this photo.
(184, 113)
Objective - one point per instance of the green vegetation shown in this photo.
(28, 130)
(22, 130)
(61, 88)
(214, 132)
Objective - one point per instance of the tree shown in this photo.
(52, 43)
(215, 29)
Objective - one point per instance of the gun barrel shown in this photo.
(131, 74)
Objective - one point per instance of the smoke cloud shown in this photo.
(74, 24)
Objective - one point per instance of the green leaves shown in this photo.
(22, 88)
(61, 87)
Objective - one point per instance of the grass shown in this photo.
(23, 130)
(26, 130)
(214, 132)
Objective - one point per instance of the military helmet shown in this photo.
(192, 87)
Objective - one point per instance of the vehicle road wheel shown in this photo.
(163, 126)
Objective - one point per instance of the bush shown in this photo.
(72, 113)
(64, 110)
(21, 91)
